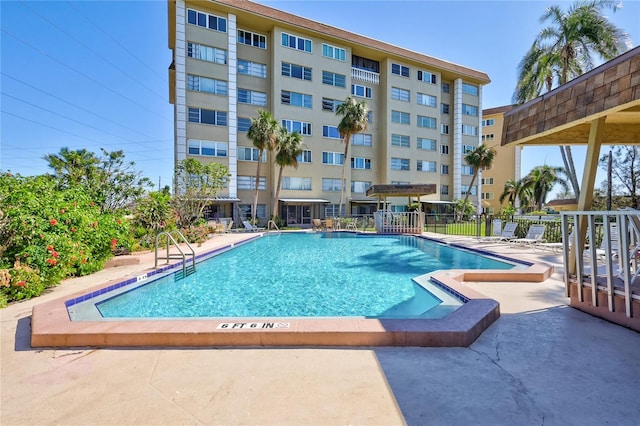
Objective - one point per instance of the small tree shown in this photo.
(196, 185)
(464, 208)
(481, 157)
(152, 214)
(289, 146)
(263, 132)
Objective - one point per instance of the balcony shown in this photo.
(366, 76)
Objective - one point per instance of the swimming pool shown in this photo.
(301, 275)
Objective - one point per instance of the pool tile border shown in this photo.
(52, 327)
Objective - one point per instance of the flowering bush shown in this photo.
(49, 233)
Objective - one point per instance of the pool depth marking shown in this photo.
(251, 325)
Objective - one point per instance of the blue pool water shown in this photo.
(302, 275)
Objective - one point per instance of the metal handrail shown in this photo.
(271, 222)
(182, 254)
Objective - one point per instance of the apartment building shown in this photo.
(231, 58)
(507, 163)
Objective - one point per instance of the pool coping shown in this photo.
(52, 327)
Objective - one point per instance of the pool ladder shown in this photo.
(171, 239)
(272, 225)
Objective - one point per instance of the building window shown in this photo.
(360, 186)
(208, 85)
(444, 108)
(304, 156)
(249, 183)
(400, 70)
(444, 129)
(296, 71)
(302, 127)
(472, 191)
(469, 110)
(488, 137)
(361, 163)
(466, 170)
(426, 122)
(400, 140)
(330, 132)
(295, 42)
(251, 154)
(400, 94)
(206, 53)
(254, 69)
(487, 181)
(400, 163)
(467, 148)
(296, 99)
(427, 100)
(252, 97)
(333, 52)
(470, 89)
(330, 104)
(245, 211)
(426, 166)
(469, 130)
(487, 195)
(205, 20)
(361, 91)
(207, 116)
(444, 189)
(444, 149)
(445, 87)
(427, 77)
(444, 169)
(252, 39)
(370, 117)
(427, 144)
(400, 117)
(361, 139)
(207, 148)
(331, 185)
(488, 122)
(332, 158)
(244, 124)
(334, 79)
(296, 183)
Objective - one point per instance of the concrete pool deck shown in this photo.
(541, 362)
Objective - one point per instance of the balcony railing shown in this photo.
(364, 75)
(602, 278)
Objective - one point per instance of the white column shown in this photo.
(517, 175)
(479, 178)
(181, 87)
(233, 105)
(457, 138)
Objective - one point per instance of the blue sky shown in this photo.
(92, 74)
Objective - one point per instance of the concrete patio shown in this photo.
(540, 363)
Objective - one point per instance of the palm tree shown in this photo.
(263, 132)
(564, 50)
(73, 167)
(289, 148)
(479, 158)
(517, 189)
(354, 121)
(543, 179)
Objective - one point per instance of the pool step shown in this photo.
(188, 270)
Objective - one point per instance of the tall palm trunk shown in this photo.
(277, 196)
(255, 197)
(347, 139)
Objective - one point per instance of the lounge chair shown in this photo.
(534, 236)
(507, 234)
(317, 225)
(328, 224)
(249, 227)
(352, 224)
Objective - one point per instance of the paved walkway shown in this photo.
(540, 363)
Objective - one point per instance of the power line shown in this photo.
(53, 24)
(80, 72)
(163, 78)
(75, 105)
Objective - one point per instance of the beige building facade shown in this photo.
(231, 58)
(507, 163)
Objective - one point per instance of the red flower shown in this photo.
(49, 247)
(73, 229)
(21, 284)
(114, 243)
(53, 222)
(92, 204)
(119, 222)
(52, 262)
(54, 254)
(83, 261)
(61, 211)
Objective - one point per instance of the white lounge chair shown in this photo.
(534, 236)
(507, 234)
(249, 227)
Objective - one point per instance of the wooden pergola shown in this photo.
(382, 192)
